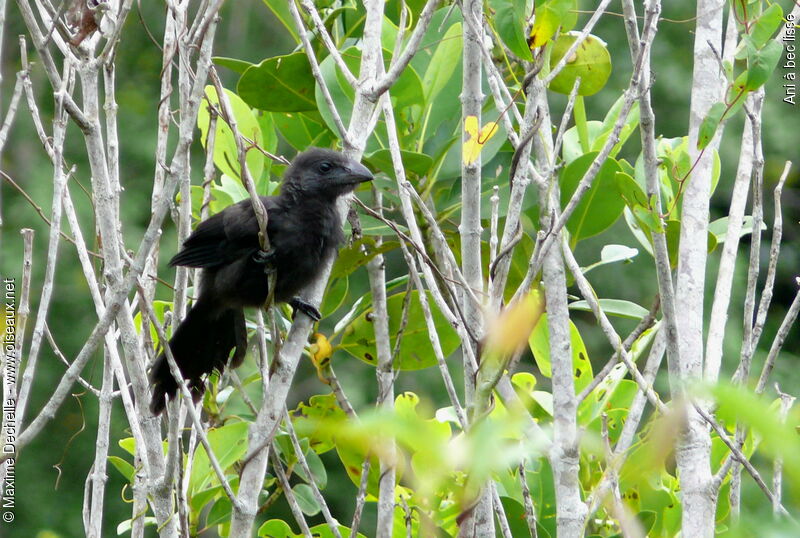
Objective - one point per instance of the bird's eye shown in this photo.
(325, 167)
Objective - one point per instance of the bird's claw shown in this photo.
(265, 258)
(299, 305)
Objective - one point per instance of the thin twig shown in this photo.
(738, 456)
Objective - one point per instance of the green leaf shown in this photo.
(226, 157)
(710, 123)
(630, 125)
(279, 84)
(539, 343)
(761, 63)
(415, 347)
(778, 437)
(766, 25)
(637, 228)
(600, 206)
(352, 456)
(159, 307)
(673, 240)
(443, 64)
(614, 307)
(317, 468)
(303, 129)
(128, 445)
(229, 188)
(234, 64)
(276, 528)
(310, 420)
(201, 499)
(515, 514)
(406, 91)
(613, 254)
(719, 228)
(509, 22)
(335, 295)
(549, 16)
(264, 186)
(125, 468)
(229, 444)
(381, 160)
(324, 531)
(358, 254)
(571, 146)
(305, 499)
(591, 61)
(280, 9)
(126, 526)
(220, 513)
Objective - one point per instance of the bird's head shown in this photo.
(324, 172)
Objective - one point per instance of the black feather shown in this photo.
(304, 230)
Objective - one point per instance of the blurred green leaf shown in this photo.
(305, 499)
(310, 419)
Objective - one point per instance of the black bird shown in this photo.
(304, 230)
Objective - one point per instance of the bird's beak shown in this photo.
(356, 173)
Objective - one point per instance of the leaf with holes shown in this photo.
(415, 346)
(316, 421)
(539, 343)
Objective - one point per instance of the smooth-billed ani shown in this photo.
(304, 230)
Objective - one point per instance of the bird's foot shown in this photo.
(299, 305)
(265, 258)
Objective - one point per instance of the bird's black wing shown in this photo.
(223, 238)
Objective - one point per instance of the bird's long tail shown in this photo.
(202, 343)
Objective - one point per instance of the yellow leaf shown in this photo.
(511, 329)
(472, 147)
(321, 350)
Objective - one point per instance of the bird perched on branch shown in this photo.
(304, 230)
